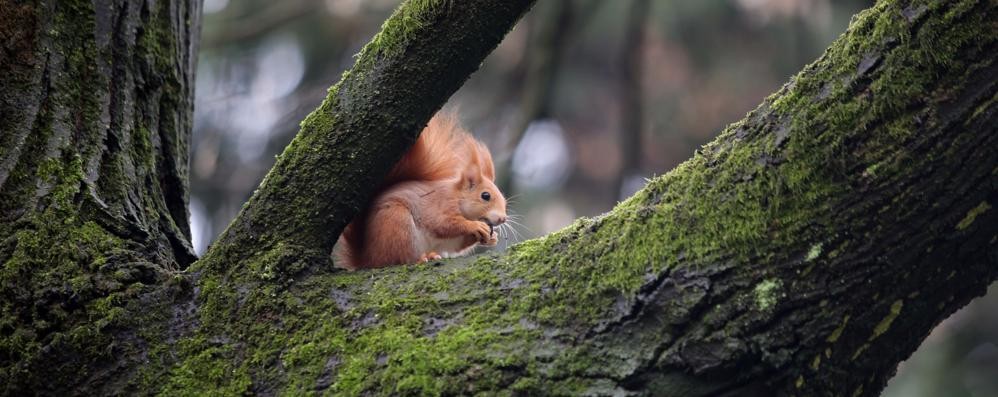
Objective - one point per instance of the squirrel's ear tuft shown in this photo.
(485, 161)
(471, 174)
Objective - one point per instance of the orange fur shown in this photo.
(430, 205)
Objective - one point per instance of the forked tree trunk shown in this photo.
(807, 250)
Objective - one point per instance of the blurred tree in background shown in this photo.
(582, 102)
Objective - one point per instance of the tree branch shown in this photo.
(424, 52)
(821, 237)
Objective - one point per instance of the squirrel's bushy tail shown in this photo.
(434, 156)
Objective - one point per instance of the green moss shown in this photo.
(822, 98)
(972, 215)
(837, 333)
(860, 350)
(207, 369)
(766, 294)
(280, 261)
(155, 40)
(56, 251)
(401, 26)
(813, 253)
(872, 170)
(984, 106)
(143, 149)
(886, 322)
(399, 351)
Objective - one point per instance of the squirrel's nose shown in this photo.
(494, 219)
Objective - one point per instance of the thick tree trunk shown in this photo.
(807, 250)
(95, 118)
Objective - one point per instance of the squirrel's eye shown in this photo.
(486, 196)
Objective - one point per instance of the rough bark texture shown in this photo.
(95, 117)
(807, 250)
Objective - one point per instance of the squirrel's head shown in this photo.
(481, 199)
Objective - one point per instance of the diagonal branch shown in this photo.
(423, 54)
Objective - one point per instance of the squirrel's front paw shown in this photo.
(482, 232)
(493, 237)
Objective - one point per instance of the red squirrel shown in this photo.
(439, 200)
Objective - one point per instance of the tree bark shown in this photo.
(95, 118)
(807, 250)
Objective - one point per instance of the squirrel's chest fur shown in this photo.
(431, 204)
(428, 240)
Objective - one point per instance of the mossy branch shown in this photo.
(821, 236)
(422, 55)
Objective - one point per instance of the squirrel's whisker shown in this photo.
(514, 222)
(512, 231)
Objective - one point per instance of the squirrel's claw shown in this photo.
(429, 256)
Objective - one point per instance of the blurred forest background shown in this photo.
(581, 103)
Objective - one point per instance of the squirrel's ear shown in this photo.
(470, 178)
